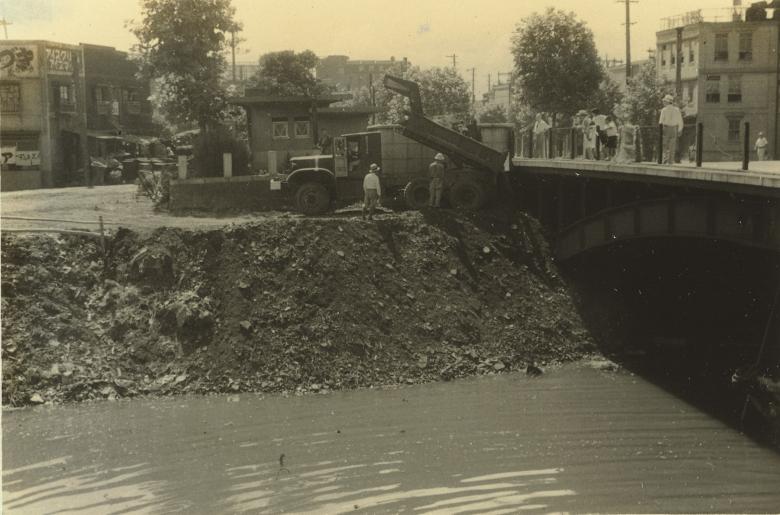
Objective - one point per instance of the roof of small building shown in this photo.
(324, 100)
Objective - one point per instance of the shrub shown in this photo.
(208, 151)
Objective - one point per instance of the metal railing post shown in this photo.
(572, 150)
(699, 143)
(550, 149)
(660, 144)
(530, 143)
(598, 146)
(637, 145)
(746, 148)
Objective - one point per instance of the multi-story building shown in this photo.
(340, 71)
(118, 107)
(725, 72)
(61, 103)
(499, 95)
(617, 72)
(42, 116)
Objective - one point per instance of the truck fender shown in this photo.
(321, 175)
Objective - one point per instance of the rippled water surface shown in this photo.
(571, 440)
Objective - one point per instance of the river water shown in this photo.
(574, 439)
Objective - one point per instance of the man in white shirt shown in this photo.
(540, 136)
(761, 144)
(672, 121)
(372, 191)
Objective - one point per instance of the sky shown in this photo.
(478, 32)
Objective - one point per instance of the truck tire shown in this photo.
(467, 194)
(417, 194)
(312, 198)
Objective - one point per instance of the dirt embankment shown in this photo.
(283, 305)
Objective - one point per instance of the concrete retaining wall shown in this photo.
(249, 192)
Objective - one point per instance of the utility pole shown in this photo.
(473, 91)
(488, 83)
(454, 60)
(5, 25)
(628, 35)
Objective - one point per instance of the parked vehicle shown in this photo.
(403, 152)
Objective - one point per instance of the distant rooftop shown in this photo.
(714, 15)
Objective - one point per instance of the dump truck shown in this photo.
(403, 152)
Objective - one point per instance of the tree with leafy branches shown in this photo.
(445, 95)
(644, 96)
(493, 114)
(557, 68)
(287, 73)
(181, 49)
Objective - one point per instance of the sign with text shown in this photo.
(59, 60)
(18, 61)
(11, 155)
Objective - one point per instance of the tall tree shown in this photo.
(644, 96)
(446, 97)
(556, 62)
(286, 73)
(181, 49)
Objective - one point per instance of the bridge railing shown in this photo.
(633, 143)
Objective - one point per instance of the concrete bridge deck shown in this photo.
(763, 177)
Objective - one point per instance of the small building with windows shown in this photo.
(724, 67)
(283, 127)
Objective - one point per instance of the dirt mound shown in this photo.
(285, 304)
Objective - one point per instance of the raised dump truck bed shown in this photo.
(459, 148)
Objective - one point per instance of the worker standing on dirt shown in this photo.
(372, 191)
(436, 171)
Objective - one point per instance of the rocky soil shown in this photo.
(285, 304)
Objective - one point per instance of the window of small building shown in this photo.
(65, 97)
(663, 55)
(721, 47)
(712, 89)
(745, 46)
(280, 128)
(735, 88)
(691, 54)
(302, 128)
(691, 90)
(733, 134)
(673, 56)
(10, 98)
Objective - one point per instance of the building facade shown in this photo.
(117, 103)
(724, 74)
(42, 117)
(60, 104)
(347, 75)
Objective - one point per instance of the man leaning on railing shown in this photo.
(672, 121)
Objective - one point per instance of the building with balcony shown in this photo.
(347, 75)
(118, 107)
(725, 70)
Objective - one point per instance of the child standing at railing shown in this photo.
(612, 137)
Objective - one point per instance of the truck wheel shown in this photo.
(417, 193)
(467, 194)
(312, 198)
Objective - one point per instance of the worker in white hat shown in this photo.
(672, 121)
(372, 191)
(436, 173)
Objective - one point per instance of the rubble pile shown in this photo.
(285, 304)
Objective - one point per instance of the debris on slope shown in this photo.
(286, 304)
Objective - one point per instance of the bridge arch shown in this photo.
(753, 224)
